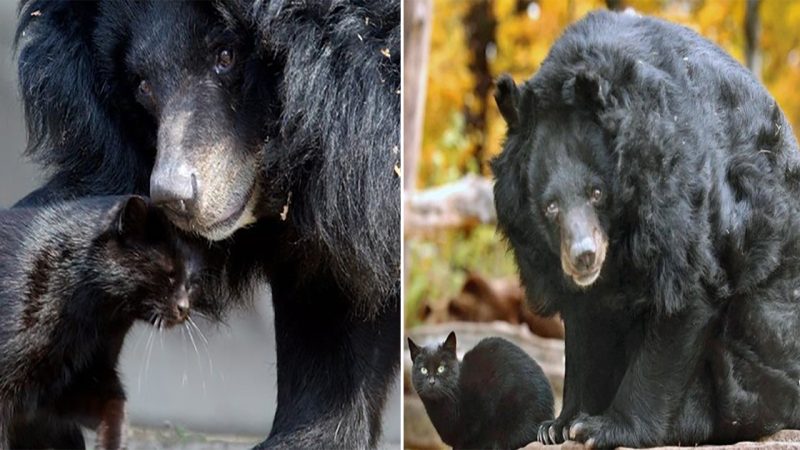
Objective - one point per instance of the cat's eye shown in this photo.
(424, 371)
(440, 369)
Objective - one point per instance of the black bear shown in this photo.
(649, 187)
(270, 129)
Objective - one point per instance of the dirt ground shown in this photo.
(172, 438)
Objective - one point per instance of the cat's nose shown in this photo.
(431, 381)
(183, 307)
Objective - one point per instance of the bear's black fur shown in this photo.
(295, 123)
(649, 187)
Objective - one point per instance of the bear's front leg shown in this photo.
(653, 387)
(593, 352)
(334, 369)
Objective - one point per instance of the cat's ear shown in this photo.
(506, 94)
(413, 348)
(450, 342)
(132, 217)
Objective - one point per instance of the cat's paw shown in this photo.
(552, 432)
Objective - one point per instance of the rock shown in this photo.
(782, 440)
(418, 429)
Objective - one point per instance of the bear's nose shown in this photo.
(174, 188)
(584, 260)
(583, 253)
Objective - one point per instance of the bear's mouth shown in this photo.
(238, 217)
(586, 278)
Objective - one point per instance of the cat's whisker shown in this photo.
(205, 341)
(203, 315)
(184, 378)
(196, 352)
(161, 332)
(142, 366)
(202, 336)
(136, 346)
(151, 342)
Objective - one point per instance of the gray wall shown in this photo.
(225, 386)
(16, 176)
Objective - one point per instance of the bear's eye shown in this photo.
(440, 369)
(225, 59)
(424, 371)
(145, 89)
(596, 195)
(551, 209)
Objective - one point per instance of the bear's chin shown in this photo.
(223, 229)
(586, 280)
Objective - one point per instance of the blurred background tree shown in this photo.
(472, 42)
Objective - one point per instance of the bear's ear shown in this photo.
(506, 95)
(586, 89)
(132, 217)
(450, 343)
(413, 348)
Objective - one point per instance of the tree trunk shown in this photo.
(616, 5)
(752, 34)
(416, 43)
(480, 25)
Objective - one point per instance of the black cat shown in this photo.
(495, 398)
(67, 300)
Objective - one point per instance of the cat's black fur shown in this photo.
(495, 398)
(67, 300)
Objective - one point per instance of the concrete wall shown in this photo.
(224, 386)
(17, 177)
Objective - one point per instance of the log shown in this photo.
(461, 204)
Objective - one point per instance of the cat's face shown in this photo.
(435, 371)
(172, 289)
(158, 272)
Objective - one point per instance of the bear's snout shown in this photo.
(583, 245)
(583, 253)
